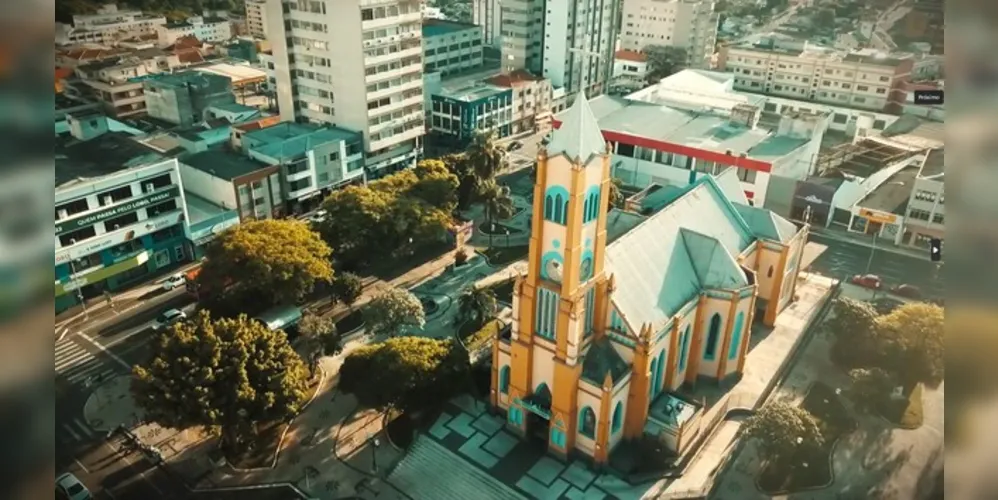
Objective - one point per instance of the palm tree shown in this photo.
(616, 196)
(498, 205)
(487, 158)
(477, 304)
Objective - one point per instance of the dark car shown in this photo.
(907, 291)
(513, 146)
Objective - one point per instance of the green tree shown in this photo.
(436, 185)
(228, 375)
(281, 260)
(414, 222)
(407, 373)
(912, 339)
(459, 165)
(870, 388)
(664, 61)
(486, 158)
(852, 325)
(824, 18)
(477, 305)
(347, 288)
(320, 337)
(389, 313)
(782, 431)
(356, 224)
(498, 204)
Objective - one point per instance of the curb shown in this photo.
(255, 487)
(287, 428)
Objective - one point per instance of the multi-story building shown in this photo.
(234, 181)
(108, 25)
(687, 24)
(926, 215)
(182, 98)
(256, 25)
(672, 133)
(451, 47)
(861, 79)
(120, 213)
(611, 329)
(488, 15)
(357, 64)
(570, 42)
(205, 29)
(113, 82)
(457, 113)
(630, 70)
(532, 100)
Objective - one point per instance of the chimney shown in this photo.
(745, 115)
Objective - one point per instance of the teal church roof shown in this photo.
(579, 136)
(766, 224)
(687, 247)
(600, 359)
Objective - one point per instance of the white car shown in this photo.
(68, 487)
(169, 318)
(173, 282)
(318, 217)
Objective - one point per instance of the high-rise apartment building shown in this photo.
(356, 64)
(686, 24)
(256, 26)
(488, 15)
(569, 42)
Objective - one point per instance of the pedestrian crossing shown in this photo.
(76, 431)
(75, 364)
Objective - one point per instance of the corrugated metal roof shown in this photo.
(654, 267)
(766, 224)
(579, 136)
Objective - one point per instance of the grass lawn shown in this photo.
(905, 413)
(504, 256)
(350, 322)
(834, 421)
(268, 438)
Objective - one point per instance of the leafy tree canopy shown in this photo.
(279, 260)
(913, 338)
(226, 374)
(392, 311)
(664, 61)
(782, 430)
(870, 387)
(404, 372)
(347, 288)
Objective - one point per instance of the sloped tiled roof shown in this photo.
(579, 136)
(601, 359)
(715, 268)
(766, 224)
(653, 265)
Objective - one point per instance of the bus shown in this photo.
(282, 318)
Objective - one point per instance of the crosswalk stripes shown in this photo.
(76, 364)
(77, 430)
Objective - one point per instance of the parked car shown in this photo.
(513, 146)
(867, 281)
(318, 217)
(173, 282)
(67, 486)
(907, 291)
(169, 318)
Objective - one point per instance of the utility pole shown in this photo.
(79, 289)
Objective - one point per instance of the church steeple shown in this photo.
(579, 137)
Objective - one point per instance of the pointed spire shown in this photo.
(579, 136)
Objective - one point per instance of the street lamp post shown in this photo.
(79, 290)
(506, 230)
(375, 443)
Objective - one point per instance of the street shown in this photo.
(527, 154)
(843, 260)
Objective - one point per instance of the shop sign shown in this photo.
(124, 208)
(106, 241)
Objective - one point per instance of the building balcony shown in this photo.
(395, 73)
(387, 58)
(396, 139)
(415, 84)
(391, 21)
(298, 175)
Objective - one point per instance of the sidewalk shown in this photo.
(867, 241)
(326, 452)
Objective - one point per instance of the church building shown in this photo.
(605, 333)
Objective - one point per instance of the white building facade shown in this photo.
(488, 15)
(205, 29)
(569, 42)
(256, 25)
(108, 25)
(357, 64)
(687, 24)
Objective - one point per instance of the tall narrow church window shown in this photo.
(546, 313)
(736, 335)
(504, 380)
(618, 418)
(587, 422)
(715, 330)
(684, 348)
(556, 204)
(590, 310)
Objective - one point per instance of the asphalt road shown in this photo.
(844, 260)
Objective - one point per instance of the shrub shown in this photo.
(460, 257)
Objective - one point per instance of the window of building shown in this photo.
(918, 214)
(115, 195)
(72, 208)
(937, 218)
(161, 208)
(847, 86)
(710, 350)
(504, 380)
(121, 221)
(885, 78)
(881, 90)
(158, 182)
(879, 124)
(840, 118)
(684, 347)
(587, 423)
(862, 88)
(617, 421)
(747, 175)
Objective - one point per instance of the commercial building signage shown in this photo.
(101, 274)
(109, 240)
(124, 208)
(204, 235)
(877, 216)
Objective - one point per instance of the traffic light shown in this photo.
(936, 249)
